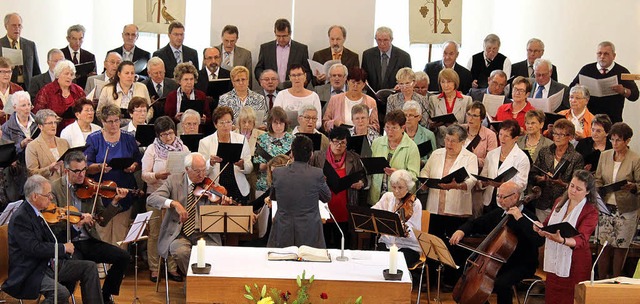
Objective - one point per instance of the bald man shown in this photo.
(524, 260)
(129, 51)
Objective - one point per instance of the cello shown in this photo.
(481, 268)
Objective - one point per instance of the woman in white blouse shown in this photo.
(501, 159)
(77, 132)
(292, 99)
(233, 178)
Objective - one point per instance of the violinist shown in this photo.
(524, 259)
(399, 199)
(84, 236)
(180, 230)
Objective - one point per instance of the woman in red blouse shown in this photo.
(521, 87)
(61, 94)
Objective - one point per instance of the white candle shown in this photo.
(201, 247)
(393, 259)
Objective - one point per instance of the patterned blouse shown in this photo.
(254, 100)
(272, 146)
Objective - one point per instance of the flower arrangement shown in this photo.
(275, 296)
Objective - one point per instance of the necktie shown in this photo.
(270, 96)
(178, 57)
(159, 90)
(227, 59)
(189, 225)
(383, 64)
(539, 92)
(603, 71)
(14, 45)
(531, 72)
(75, 58)
(336, 92)
(212, 76)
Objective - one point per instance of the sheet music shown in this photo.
(549, 104)
(324, 214)
(492, 103)
(8, 107)
(137, 227)
(318, 68)
(14, 55)
(599, 87)
(175, 161)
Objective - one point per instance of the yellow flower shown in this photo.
(266, 300)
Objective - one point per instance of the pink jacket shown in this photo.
(335, 110)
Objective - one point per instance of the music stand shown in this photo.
(376, 221)
(434, 248)
(5, 217)
(226, 219)
(134, 235)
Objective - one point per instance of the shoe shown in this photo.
(153, 278)
(175, 277)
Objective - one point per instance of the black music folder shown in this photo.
(425, 148)
(316, 138)
(8, 153)
(80, 148)
(613, 187)
(192, 141)
(230, 153)
(375, 165)
(35, 133)
(359, 145)
(338, 184)
(85, 68)
(140, 65)
(559, 169)
(69, 114)
(121, 163)
(550, 119)
(593, 159)
(503, 177)
(196, 105)
(445, 119)
(566, 230)
(145, 135)
(125, 113)
(459, 176)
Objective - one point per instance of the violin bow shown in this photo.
(68, 221)
(95, 198)
(416, 191)
(212, 182)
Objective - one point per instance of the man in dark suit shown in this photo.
(269, 86)
(449, 56)
(175, 52)
(273, 53)
(336, 51)
(79, 56)
(524, 68)
(496, 83)
(111, 63)
(22, 74)
(129, 51)
(605, 67)
(544, 86)
(158, 86)
(233, 55)
(32, 248)
(383, 62)
(337, 84)
(213, 79)
(482, 64)
(39, 81)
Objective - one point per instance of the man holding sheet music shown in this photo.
(524, 260)
(111, 63)
(603, 78)
(22, 73)
(545, 87)
(84, 236)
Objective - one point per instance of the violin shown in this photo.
(209, 189)
(406, 211)
(54, 214)
(105, 189)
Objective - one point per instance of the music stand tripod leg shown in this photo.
(136, 299)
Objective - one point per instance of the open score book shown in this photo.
(303, 254)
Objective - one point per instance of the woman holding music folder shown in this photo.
(553, 169)
(123, 88)
(43, 153)
(449, 101)
(567, 257)
(346, 177)
(241, 96)
(618, 224)
(533, 141)
(21, 126)
(480, 139)
(521, 88)
(113, 153)
(361, 126)
(500, 160)
(7, 88)
(591, 147)
(185, 97)
(578, 114)
(339, 108)
(77, 132)
(274, 142)
(226, 144)
(138, 110)
(60, 94)
(154, 173)
(246, 125)
(423, 137)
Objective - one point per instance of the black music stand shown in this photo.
(226, 219)
(434, 248)
(376, 221)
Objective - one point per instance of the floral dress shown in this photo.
(268, 147)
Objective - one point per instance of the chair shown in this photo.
(540, 279)
(4, 256)
(422, 262)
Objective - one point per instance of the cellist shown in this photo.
(84, 236)
(524, 260)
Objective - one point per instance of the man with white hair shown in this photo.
(307, 117)
(450, 52)
(180, 230)
(39, 81)
(22, 74)
(483, 63)
(545, 86)
(524, 68)
(383, 61)
(79, 56)
(111, 63)
(129, 51)
(158, 85)
(337, 82)
(336, 51)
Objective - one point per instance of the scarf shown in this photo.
(162, 149)
(557, 257)
(336, 165)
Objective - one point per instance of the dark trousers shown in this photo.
(69, 272)
(443, 227)
(507, 278)
(101, 252)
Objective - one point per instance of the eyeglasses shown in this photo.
(497, 84)
(473, 115)
(111, 122)
(240, 80)
(520, 91)
(48, 195)
(559, 134)
(296, 75)
(339, 143)
(190, 124)
(167, 134)
(225, 122)
(336, 75)
(6, 72)
(51, 123)
(76, 171)
(309, 118)
(503, 197)
(198, 171)
(405, 84)
(390, 128)
(143, 110)
(269, 79)
(534, 51)
(411, 115)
